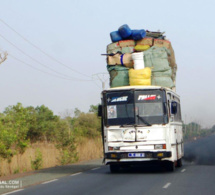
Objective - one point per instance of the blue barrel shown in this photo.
(125, 31)
(115, 36)
(138, 34)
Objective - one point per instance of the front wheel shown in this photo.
(114, 168)
(171, 166)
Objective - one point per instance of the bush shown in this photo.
(87, 125)
(66, 143)
(37, 162)
(68, 156)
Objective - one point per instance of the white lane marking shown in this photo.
(49, 181)
(13, 192)
(95, 168)
(183, 170)
(76, 174)
(167, 185)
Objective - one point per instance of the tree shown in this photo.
(77, 112)
(94, 108)
(66, 143)
(44, 126)
(87, 124)
(14, 127)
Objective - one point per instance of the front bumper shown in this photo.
(139, 155)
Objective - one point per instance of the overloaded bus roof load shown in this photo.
(140, 57)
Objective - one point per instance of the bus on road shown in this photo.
(141, 124)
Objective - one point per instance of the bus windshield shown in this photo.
(140, 107)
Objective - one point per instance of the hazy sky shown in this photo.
(76, 32)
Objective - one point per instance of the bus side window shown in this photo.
(179, 112)
(177, 115)
(168, 103)
(174, 107)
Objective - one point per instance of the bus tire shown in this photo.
(114, 168)
(179, 162)
(171, 166)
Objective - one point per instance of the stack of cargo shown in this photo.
(139, 57)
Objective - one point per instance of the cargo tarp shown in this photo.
(118, 76)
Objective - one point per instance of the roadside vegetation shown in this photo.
(193, 131)
(21, 128)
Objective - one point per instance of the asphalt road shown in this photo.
(196, 176)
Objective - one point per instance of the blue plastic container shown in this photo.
(115, 36)
(125, 31)
(138, 34)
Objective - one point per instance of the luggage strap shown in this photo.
(121, 59)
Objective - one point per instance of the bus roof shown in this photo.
(140, 87)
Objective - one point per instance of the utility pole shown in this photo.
(102, 77)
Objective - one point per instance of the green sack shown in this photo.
(118, 76)
(157, 58)
(166, 73)
(163, 78)
(174, 70)
(162, 81)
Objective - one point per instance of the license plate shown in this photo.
(137, 155)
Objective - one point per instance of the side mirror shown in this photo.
(174, 107)
(100, 110)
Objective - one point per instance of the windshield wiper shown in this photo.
(143, 120)
(130, 124)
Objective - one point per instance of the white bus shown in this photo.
(141, 124)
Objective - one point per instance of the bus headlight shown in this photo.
(160, 146)
(113, 148)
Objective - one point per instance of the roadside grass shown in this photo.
(22, 162)
(87, 148)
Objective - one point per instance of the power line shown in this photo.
(54, 59)
(36, 60)
(96, 84)
(45, 71)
